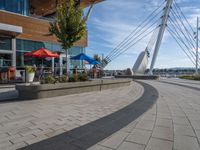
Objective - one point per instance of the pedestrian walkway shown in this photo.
(172, 124)
(85, 136)
(149, 115)
(27, 122)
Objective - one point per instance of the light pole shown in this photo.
(197, 46)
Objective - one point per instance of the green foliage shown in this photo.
(63, 79)
(70, 23)
(29, 69)
(72, 79)
(50, 80)
(83, 77)
(191, 77)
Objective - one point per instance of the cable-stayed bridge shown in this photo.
(168, 16)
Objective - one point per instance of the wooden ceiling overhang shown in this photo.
(45, 8)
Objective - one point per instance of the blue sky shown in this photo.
(112, 20)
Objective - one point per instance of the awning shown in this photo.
(10, 29)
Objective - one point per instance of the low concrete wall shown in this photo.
(139, 77)
(52, 90)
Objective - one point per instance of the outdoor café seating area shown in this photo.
(43, 68)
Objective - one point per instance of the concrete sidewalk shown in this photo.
(172, 124)
(27, 122)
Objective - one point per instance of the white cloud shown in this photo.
(113, 20)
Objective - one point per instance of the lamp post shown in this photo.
(197, 46)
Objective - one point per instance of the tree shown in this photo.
(70, 24)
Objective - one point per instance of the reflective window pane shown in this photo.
(5, 43)
(16, 6)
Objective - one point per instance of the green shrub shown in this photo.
(29, 69)
(191, 77)
(72, 79)
(50, 80)
(197, 77)
(83, 77)
(63, 79)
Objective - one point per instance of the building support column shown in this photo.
(14, 52)
(61, 65)
(53, 64)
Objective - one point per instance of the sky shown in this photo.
(112, 20)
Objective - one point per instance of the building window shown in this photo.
(16, 6)
(5, 60)
(5, 43)
(24, 46)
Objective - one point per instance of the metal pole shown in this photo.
(197, 46)
(161, 33)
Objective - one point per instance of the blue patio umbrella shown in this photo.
(83, 56)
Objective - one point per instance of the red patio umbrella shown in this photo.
(42, 53)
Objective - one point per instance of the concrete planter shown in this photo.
(139, 77)
(52, 90)
(30, 77)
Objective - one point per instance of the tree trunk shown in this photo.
(67, 63)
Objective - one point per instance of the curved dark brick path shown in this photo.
(88, 135)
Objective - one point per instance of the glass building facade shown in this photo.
(16, 6)
(23, 46)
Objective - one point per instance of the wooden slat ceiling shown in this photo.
(44, 7)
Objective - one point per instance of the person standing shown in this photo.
(75, 73)
(94, 70)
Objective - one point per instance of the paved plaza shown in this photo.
(148, 115)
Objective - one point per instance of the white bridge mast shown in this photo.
(161, 33)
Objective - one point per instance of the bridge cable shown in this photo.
(171, 33)
(183, 42)
(130, 43)
(176, 27)
(132, 36)
(176, 5)
(142, 25)
(135, 43)
(177, 13)
(177, 39)
(176, 22)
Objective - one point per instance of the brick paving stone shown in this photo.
(5, 144)
(130, 127)
(163, 133)
(139, 136)
(130, 146)
(185, 143)
(36, 139)
(158, 144)
(16, 146)
(115, 140)
(164, 122)
(145, 124)
(170, 124)
(52, 116)
(22, 139)
(181, 121)
(99, 147)
(183, 130)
